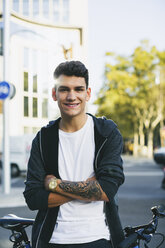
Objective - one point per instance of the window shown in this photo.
(35, 107)
(45, 108)
(46, 8)
(27, 130)
(34, 69)
(30, 130)
(65, 17)
(34, 83)
(56, 11)
(26, 106)
(61, 11)
(35, 129)
(26, 57)
(26, 7)
(34, 59)
(26, 83)
(16, 5)
(66, 4)
(35, 8)
(44, 72)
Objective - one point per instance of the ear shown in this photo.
(54, 94)
(88, 96)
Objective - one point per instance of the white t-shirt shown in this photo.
(78, 221)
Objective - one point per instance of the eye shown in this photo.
(63, 89)
(80, 89)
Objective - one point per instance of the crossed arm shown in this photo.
(89, 190)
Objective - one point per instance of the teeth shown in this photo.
(72, 104)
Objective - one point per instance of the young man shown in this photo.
(75, 170)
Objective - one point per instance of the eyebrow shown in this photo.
(80, 87)
(67, 88)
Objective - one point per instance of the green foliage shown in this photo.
(161, 56)
(130, 93)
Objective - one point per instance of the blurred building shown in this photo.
(43, 33)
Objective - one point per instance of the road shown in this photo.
(141, 190)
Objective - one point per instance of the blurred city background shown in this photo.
(122, 43)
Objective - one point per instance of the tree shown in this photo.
(132, 96)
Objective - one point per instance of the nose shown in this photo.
(71, 96)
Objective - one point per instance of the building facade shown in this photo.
(43, 33)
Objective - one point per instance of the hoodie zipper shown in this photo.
(96, 168)
(99, 152)
(41, 148)
(41, 229)
(48, 209)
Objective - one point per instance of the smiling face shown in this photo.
(71, 94)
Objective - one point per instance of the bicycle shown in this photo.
(133, 235)
(144, 232)
(17, 225)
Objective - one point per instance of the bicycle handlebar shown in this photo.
(133, 234)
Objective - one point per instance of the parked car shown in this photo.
(159, 156)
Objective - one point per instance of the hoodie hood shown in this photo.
(104, 126)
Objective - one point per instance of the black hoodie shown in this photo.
(44, 160)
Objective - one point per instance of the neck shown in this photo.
(74, 124)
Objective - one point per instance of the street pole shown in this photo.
(5, 154)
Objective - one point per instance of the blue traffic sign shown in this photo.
(4, 90)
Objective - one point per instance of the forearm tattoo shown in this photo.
(87, 190)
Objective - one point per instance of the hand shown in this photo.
(47, 181)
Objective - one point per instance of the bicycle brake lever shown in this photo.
(158, 210)
(150, 229)
(145, 236)
(161, 215)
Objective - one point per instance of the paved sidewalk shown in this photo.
(130, 161)
(13, 199)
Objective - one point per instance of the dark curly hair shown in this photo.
(72, 68)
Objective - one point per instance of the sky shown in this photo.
(119, 26)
